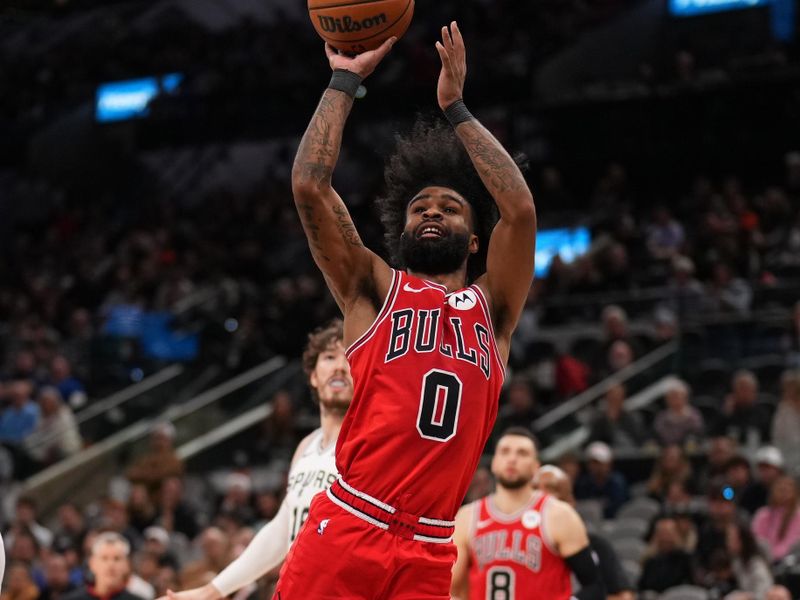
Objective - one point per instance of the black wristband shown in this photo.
(345, 81)
(458, 113)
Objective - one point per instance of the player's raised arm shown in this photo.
(332, 236)
(509, 265)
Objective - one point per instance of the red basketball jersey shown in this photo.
(427, 377)
(510, 558)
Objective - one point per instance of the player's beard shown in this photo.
(513, 484)
(434, 256)
(335, 405)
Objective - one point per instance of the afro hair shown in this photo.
(432, 155)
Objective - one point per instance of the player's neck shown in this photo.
(452, 281)
(511, 500)
(330, 424)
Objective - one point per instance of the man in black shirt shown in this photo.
(110, 567)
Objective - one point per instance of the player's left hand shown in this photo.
(454, 66)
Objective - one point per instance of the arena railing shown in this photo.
(571, 407)
(86, 475)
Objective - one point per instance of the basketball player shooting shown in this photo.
(427, 340)
(520, 543)
(312, 470)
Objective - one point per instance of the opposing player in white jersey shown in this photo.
(313, 469)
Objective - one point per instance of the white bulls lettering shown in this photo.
(421, 331)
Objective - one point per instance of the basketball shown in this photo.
(355, 26)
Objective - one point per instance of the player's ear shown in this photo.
(474, 244)
(313, 379)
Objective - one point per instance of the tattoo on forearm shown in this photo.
(498, 170)
(314, 163)
(346, 227)
(306, 211)
(318, 150)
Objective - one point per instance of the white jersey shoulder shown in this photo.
(314, 471)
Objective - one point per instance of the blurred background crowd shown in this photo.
(155, 281)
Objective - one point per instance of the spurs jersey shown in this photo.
(313, 472)
(427, 376)
(510, 558)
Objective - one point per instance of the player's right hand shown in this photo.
(362, 64)
(206, 592)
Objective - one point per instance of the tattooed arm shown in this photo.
(509, 265)
(335, 244)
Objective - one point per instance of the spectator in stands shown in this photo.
(727, 294)
(571, 465)
(721, 449)
(26, 520)
(160, 462)
(719, 579)
(141, 510)
(665, 235)
(173, 514)
(156, 544)
(61, 377)
(713, 531)
(752, 571)
(71, 527)
(615, 329)
(238, 499)
(778, 523)
(114, 517)
(685, 295)
(109, 565)
(739, 478)
(216, 554)
(669, 566)
(769, 467)
(672, 467)
(57, 582)
(600, 481)
(786, 422)
(614, 425)
(741, 417)
(554, 481)
(18, 584)
(19, 419)
(56, 435)
(680, 422)
(520, 408)
(619, 356)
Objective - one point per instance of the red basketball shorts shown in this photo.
(339, 555)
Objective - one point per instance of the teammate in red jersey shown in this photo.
(427, 340)
(520, 543)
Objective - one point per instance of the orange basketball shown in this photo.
(355, 26)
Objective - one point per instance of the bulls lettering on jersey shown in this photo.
(313, 472)
(509, 555)
(427, 376)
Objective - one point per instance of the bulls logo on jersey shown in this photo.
(463, 300)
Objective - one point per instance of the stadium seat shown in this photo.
(629, 548)
(630, 528)
(585, 348)
(633, 570)
(591, 511)
(685, 592)
(640, 509)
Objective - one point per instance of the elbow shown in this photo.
(309, 179)
(523, 212)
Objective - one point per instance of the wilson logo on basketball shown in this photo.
(348, 24)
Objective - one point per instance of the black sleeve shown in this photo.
(611, 572)
(584, 567)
